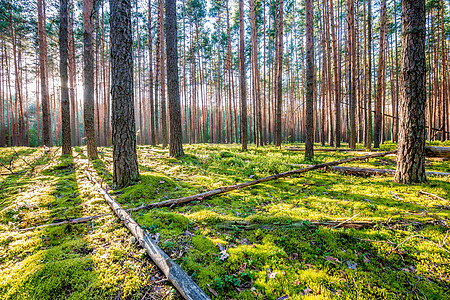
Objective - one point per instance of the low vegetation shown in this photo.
(255, 243)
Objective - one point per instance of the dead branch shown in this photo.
(346, 221)
(67, 221)
(432, 195)
(430, 151)
(417, 236)
(226, 189)
(367, 171)
(328, 150)
(248, 225)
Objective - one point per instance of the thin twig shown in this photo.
(23, 159)
(432, 195)
(357, 288)
(340, 224)
(414, 236)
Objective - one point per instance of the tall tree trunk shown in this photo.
(2, 104)
(330, 86)
(279, 80)
(43, 70)
(123, 122)
(369, 76)
(63, 62)
(351, 73)
(74, 130)
(410, 155)
(380, 80)
(229, 73)
(242, 80)
(106, 102)
(310, 80)
(157, 77)
(173, 89)
(150, 54)
(162, 82)
(89, 130)
(444, 73)
(395, 112)
(19, 131)
(337, 96)
(139, 91)
(255, 73)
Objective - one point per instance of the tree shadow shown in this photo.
(52, 260)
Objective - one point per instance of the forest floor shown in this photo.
(254, 243)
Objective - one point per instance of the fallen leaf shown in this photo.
(283, 297)
(223, 252)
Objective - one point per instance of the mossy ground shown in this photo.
(283, 256)
(96, 260)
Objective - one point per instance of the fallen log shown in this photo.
(369, 171)
(249, 225)
(327, 149)
(432, 151)
(182, 282)
(221, 190)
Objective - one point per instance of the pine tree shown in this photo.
(410, 155)
(122, 95)
(242, 81)
(89, 90)
(310, 80)
(173, 89)
(63, 69)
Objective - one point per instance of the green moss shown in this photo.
(281, 255)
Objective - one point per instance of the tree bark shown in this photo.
(380, 80)
(351, 73)
(173, 89)
(89, 129)
(411, 154)
(150, 54)
(279, 79)
(337, 97)
(369, 76)
(310, 80)
(255, 73)
(162, 82)
(123, 120)
(63, 62)
(74, 130)
(43, 70)
(242, 80)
